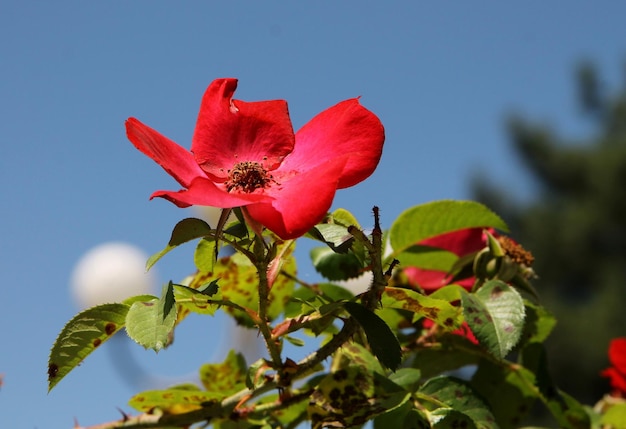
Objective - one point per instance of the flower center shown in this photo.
(247, 177)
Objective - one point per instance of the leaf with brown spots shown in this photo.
(176, 400)
(351, 396)
(226, 377)
(438, 310)
(81, 336)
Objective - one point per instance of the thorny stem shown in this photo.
(261, 265)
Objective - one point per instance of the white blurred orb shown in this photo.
(110, 272)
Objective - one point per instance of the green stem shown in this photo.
(261, 265)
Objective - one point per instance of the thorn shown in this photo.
(125, 417)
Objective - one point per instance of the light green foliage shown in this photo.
(227, 377)
(150, 323)
(175, 400)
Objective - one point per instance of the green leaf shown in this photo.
(438, 310)
(336, 266)
(357, 355)
(382, 340)
(510, 394)
(184, 231)
(82, 335)
(336, 236)
(495, 314)
(205, 255)
(427, 257)
(439, 217)
(227, 377)
(195, 300)
(150, 323)
(459, 396)
(174, 400)
(407, 378)
(539, 324)
(405, 417)
(615, 416)
(455, 352)
(345, 218)
(449, 418)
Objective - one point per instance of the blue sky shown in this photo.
(440, 77)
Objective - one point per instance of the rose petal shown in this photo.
(203, 192)
(617, 354)
(346, 128)
(617, 379)
(174, 159)
(231, 131)
(431, 280)
(461, 242)
(301, 201)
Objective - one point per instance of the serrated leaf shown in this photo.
(184, 231)
(150, 323)
(380, 337)
(439, 217)
(174, 400)
(227, 377)
(336, 266)
(459, 396)
(495, 314)
(438, 310)
(82, 335)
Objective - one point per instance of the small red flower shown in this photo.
(617, 372)
(245, 154)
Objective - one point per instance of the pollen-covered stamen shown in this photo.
(515, 251)
(247, 177)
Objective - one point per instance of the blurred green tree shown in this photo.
(576, 228)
